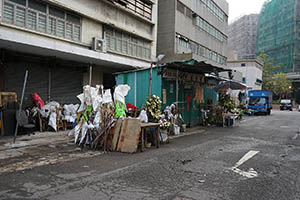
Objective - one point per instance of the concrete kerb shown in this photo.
(192, 131)
(45, 138)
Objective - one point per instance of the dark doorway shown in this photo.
(1, 77)
(108, 81)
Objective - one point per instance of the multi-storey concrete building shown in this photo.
(58, 41)
(251, 72)
(193, 29)
(278, 35)
(242, 36)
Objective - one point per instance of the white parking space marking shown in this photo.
(251, 173)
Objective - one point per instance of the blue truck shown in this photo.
(260, 101)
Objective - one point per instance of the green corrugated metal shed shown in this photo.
(139, 84)
(138, 80)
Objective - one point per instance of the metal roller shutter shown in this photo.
(66, 84)
(37, 79)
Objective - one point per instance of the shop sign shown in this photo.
(185, 76)
(212, 81)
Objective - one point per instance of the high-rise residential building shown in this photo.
(278, 35)
(62, 42)
(194, 29)
(242, 36)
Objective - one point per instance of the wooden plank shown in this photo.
(157, 137)
(130, 134)
(142, 139)
(1, 123)
(150, 125)
(116, 134)
(122, 134)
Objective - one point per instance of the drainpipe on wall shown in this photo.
(177, 85)
(90, 75)
(49, 84)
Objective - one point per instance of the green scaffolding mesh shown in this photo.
(278, 33)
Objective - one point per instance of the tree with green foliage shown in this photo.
(281, 85)
(278, 83)
(268, 71)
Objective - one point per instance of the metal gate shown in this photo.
(37, 79)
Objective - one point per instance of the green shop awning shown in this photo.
(194, 66)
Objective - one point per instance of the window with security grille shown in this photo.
(127, 44)
(140, 7)
(39, 16)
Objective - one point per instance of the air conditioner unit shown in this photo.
(99, 45)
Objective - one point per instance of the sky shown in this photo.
(238, 8)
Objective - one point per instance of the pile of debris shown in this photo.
(98, 110)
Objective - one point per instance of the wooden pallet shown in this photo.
(126, 134)
(6, 97)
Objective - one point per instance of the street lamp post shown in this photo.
(155, 61)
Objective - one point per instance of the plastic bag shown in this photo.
(87, 113)
(97, 119)
(119, 109)
(48, 108)
(52, 120)
(70, 111)
(76, 132)
(164, 137)
(37, 99)
(87, 95)
(107, 98)
(82, 104)
(143, 116)
(85, 127)
(120, 92)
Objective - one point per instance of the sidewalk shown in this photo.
(38, 150)
(39, 139)
(48, 148)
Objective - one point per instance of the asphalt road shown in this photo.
(257, 160)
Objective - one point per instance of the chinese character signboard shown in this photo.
(185, 76)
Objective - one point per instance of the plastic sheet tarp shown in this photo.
(233, 85)
(49, 110)
(70, 112)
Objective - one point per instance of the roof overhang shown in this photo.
(194, 66)
(230, 84)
